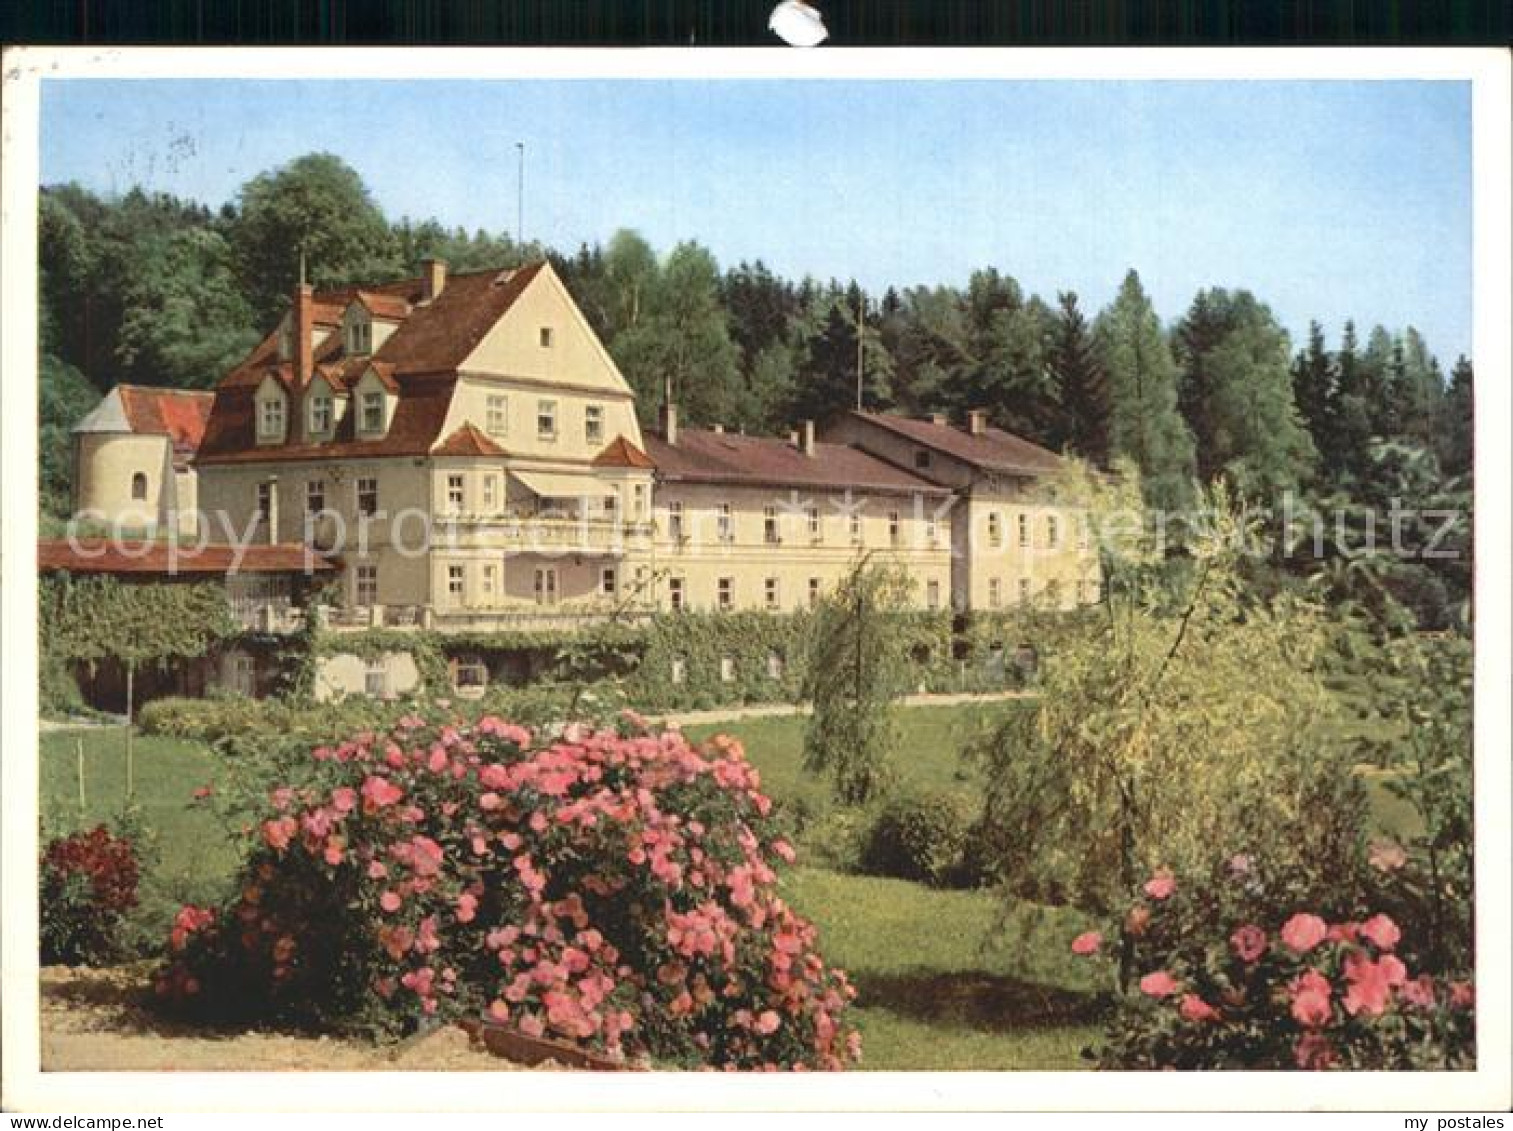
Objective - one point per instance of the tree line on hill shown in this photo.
(151, 289)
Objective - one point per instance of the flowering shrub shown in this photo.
(88, 884)
(613, 888)
(1301, 992)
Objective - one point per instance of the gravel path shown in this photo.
(777, 710)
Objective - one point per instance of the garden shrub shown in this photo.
(615, 888)
(88, 886)
(1220, 990)
(917, 838)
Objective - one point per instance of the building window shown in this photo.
(775, 665)
(608, 581)
(270, 420)
(367, 495)
(727, 669)
(490, 493)
(320, 415)
(456, 583)
(1082, 592)
(1052, 531)
(638, 494)
(546, 586)
(546, 420)
(545, 337)
(244, 674)
(856, 529)
(365, 586)
(921, 459)
(995, 529)
(814, 592)
(678, 670)
(1084, 534)
(593, 424)
(490, 583)
(375, 680)
(372, 412)
(932, 529)
(932, 594)
(675, 521)
(725, 594)
(1024, 530)
(995, 593)
(139, 486)
(773, 593)
(315, 496)
(470, 673)
(360, 338)
(265, 501)
(498, 416)
(724, 523)
(894, 528)
(675, 594)
(770, 526)
(1024, 590)
(454, 494)
(816, 532)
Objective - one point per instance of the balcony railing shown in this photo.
(270, 616)
(517, 618)
(543, 534)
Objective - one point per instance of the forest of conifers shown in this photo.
(156, 290)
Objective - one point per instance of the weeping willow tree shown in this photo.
(855, 672)
(89, 619)
(1180, 727)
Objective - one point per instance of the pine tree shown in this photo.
(1081, 384)
(1456, 439)
(1315, 390)
(1145, 424)
(1349, 457)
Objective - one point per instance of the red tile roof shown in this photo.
(622, 453)
(100, 555)
(467, 441)
(392, 308)
(419, 360)
(994, 450)
(179, 414)
(761, 461)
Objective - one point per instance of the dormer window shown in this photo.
(360, 337)
(270, 419)
(320, 414)
(372, 412)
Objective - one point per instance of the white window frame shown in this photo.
(677, 594)
(546, 413)
(497, 415)
(854, 525)
(375, 678)
(457, 585)
(593, 424)
(995, 529)
(724, 588)
(675, 520)
(724, 523)
(315, 496)
(776, 667)
(772, 592)
(727, 669)
(490, 492)
(932, 594)
(266, 499)
(488, 582)
(1052, 532)
(1024, 530)
(816, 526)
(322, 413)
(995, 593)
(365, 585)
(456, 492)
(815, 588)
(366, 485)
(371, 403)
(547, 586)
(270, 418)
(677, 672)
(772, 530)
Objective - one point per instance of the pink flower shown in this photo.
(1462, 995)
(1087, 943)
(1370, 984)
(344, 798)
(390, 901)
(1138, 919)
(1248, 942)
(203, 792)
(333, 853)
(1161, 885)
(1313, 1052)
(1419, 992)
(278, 833)
(467, 907)
(1381, 932)
(1303, 932)
(1310, 1000)
(1195, 1009)
(1158, 984)
(768, 1022)
(379, 792)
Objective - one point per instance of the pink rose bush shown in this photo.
(1301, 993)
(613, 888)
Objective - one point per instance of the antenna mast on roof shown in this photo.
(520, 200)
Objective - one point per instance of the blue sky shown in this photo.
(1329, 200)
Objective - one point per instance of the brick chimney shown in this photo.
(303, 317)
(718, 429)
(433, 278)
(938, 418)
(977, 422)
(809, 438)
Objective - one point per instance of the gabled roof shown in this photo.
(418, 361)
(467, 441)
(622, 453)
(992, 450)
(390, 307)
(763, 461)
(104, 555)
(179, 414)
